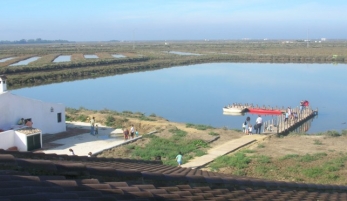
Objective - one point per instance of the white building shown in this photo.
(48, 117)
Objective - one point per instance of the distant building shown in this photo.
(48, 117)
(323, 39)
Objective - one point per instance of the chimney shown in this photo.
(3, 84)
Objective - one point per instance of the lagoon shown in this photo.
(6, 59)
(197, 93)
(25, 62)
(62, 58)
(91, 56)
(118, 56)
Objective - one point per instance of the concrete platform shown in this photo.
(84, 143)
(223, 149)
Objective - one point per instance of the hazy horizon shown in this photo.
(158, 20)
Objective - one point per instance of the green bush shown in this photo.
(344, 132)
(152, 115)
(68, 118)
(317, 142)
(110, 121)
(82, 118)
(332, 134)
(213, 133)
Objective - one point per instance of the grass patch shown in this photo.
(261, 146)
(213, 133)
(238, 161)
(310, 158)
(169, 148)
(313, 172)
(263, 159)
(198, 126)
(289, 156)
(317, 142)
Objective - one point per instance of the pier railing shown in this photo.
(280, 125)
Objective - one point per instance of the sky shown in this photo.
(134, 20)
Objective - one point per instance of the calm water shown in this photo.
(6, 59)
(91, 56)
(26, 61)
(62, 58)
(184, 53)
(118, 56)
(197, 93)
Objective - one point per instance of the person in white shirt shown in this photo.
(259, 123)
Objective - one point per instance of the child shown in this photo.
(179, 159)
(244, 127)
(137, 134)
(250, 129)
(96, 131)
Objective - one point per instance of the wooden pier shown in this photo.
(281, 126)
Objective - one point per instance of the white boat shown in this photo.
(234, 109)
(234, 113)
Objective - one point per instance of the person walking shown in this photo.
(92, 122)
(126, 134)
(179, 159)
(259, 123)
(132, 132)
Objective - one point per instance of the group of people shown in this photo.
(290, 115)
(133, 132)
(248, 128)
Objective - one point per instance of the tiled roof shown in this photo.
(51, 177)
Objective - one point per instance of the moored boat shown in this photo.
(233, 109)
(264, 111)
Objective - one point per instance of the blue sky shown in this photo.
(102, 20)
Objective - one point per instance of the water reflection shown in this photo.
(63, 58)
(183, 53)
(91, 56)
(6, 59)
(118, 56)
(25, 62)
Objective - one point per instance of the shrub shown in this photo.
(332, 134)
(344, 132)
(317, 142)
(82, 118)
(213, 133)
(110, 120)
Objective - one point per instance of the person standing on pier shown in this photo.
(259, 123)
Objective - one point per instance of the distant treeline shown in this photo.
(33, 41)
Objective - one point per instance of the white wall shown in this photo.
(7, 139)
(13, 107)
(20, 141)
